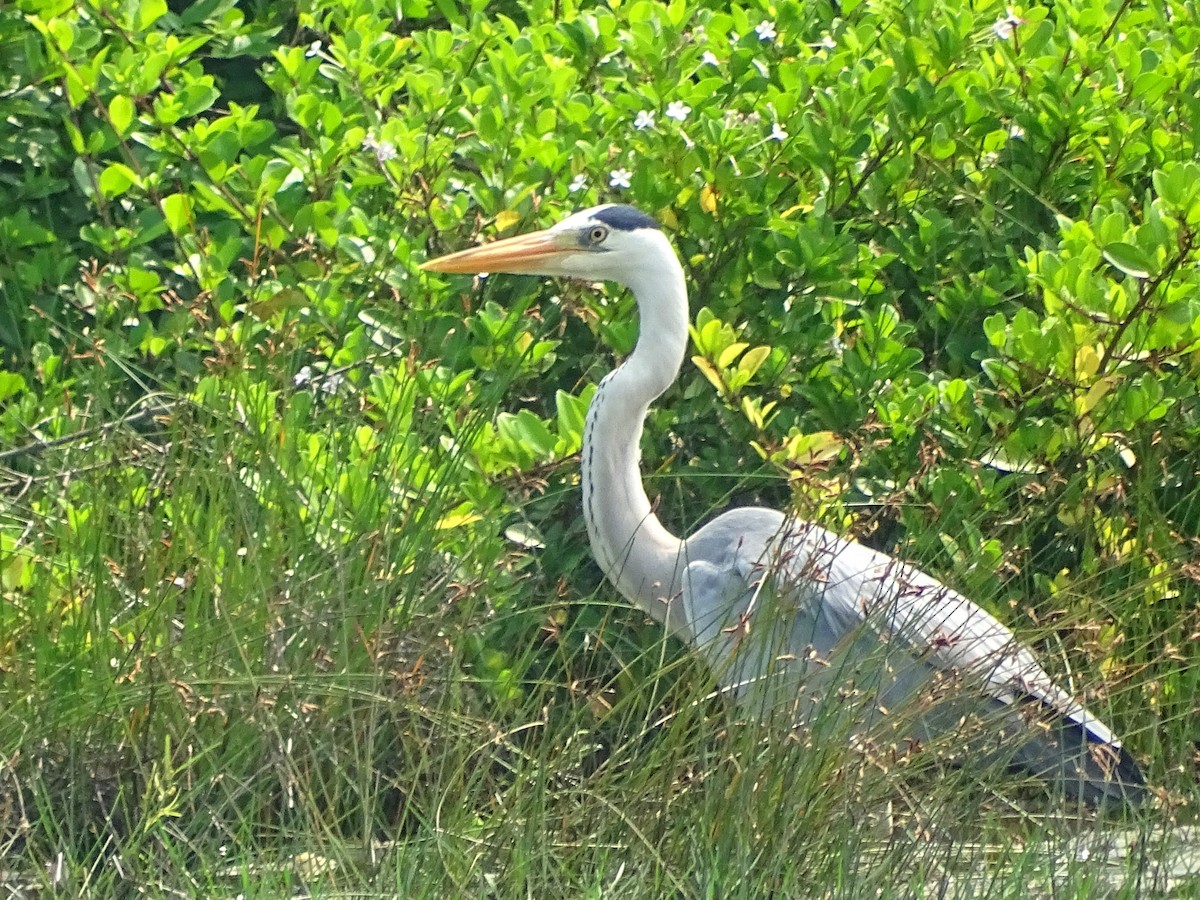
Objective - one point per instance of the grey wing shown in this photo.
(940, 629)
(808, 621)
(774, 640)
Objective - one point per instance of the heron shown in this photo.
(787, 614)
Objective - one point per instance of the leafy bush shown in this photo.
(289, 547)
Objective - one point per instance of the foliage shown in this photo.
(289, 547)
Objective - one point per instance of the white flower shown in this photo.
(332, 383)
(1016, 132)
(677, 110)
(709, 59)
(1004, 27)
(578, 183)
(303, 377)
(383, 150)
(777, 133)
(619, 178)
(314, 49)
(828, 42)
(644, 120)
(766, 30)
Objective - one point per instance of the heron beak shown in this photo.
(523, 254)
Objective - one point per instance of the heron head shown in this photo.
(613, 242)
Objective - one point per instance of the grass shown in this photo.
(300, 705)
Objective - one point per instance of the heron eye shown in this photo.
(597, 234)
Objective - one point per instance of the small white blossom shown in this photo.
(619, 178)
(1016, 132)
(314, 49)
(303, 377)
(766, 30)
(1004, 27)
(777, 133)
(644, 120)
(677, 110)
(709, 59)
(578, 183)
(383, 150)
(828, 42)
(332, 383)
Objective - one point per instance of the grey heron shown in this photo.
(786, 613)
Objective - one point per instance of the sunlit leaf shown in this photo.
(506, 219)
(1129, 259)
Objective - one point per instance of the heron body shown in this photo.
(790, 617)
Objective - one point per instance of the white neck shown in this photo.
(633, 548)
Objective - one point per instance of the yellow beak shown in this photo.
(523, 254)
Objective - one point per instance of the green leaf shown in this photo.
(731, 353)
(571, 413)
(149, 12)
(63, 33)
(117, 179)
(120, 114)
(534, 434)
(753, 360)
(177, 209)
(1129, 259)
(11, 384)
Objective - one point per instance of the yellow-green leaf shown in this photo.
(149, 12)
(1087, 362)
(507, 219)
(754, 359)
(1094, 395)
(120, 114)
(709, 371)
(116, 179)
(730, 353)
(458, 519)
(11, 384)
(177, 210)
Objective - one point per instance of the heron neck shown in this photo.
(638, 555)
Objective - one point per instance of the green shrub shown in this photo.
(290, 554)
